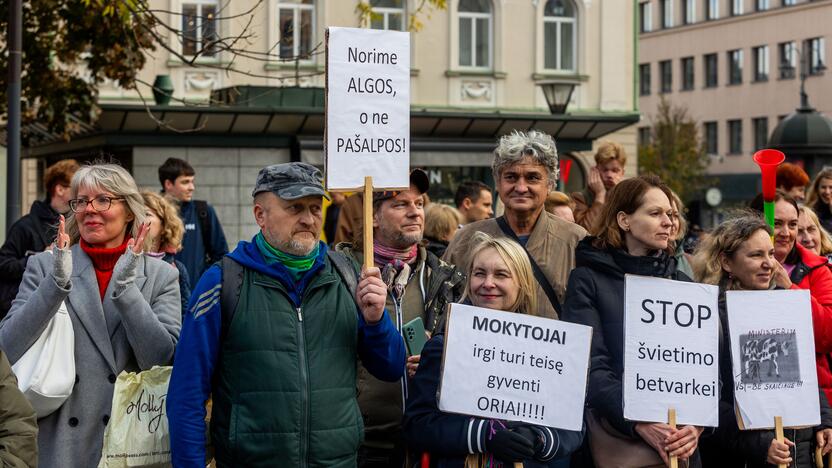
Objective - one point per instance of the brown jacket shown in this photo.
(552, 244)
(587, 210)
(350, 220)
(18, 424)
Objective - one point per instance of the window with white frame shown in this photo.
(712, 12)
(736, 7)
(689, 11)
(559, 25)
(735, 66)
(388, 14)
(475, 35)
(760, 63)
(199, 28)
(789, 2)
(761, 5)
(296, 26)
(667, 13)
(645, 15)
(787, 61)
(814, 49)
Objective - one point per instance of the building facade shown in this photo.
(476, 70)
(735, 65)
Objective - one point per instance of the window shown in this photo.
(789, 2)
(387, 14)
(687, 73)
(644, 79)
(711, 71)
(735, 66)
(760, 63)
(736, 7)
(199, 28)
(475, 33)
(786, 61)
(643, 136)
(690, 11)
(711, 9)
(666, 74)
(711, 138)
(559, 35)
(761, 5)
(667, 13)
(817, 57)
(734, 136)
(645, 17)
(760, 133)
(296, 24)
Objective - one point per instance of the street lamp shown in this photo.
(787, 69)
(558, 94)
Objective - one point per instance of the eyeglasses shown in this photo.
(99, 203)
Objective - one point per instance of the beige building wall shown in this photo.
(773, 98)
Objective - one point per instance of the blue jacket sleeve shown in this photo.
(219, 246)
(193, 367)
(381, 348)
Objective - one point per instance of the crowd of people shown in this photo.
(287, 351)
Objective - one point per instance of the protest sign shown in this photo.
(514, 367)
(671, 351)
(773, 358)
(367, 108)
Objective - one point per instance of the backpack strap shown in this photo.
(232, 284)
(346, 270)
(201, 207)
(538, 273)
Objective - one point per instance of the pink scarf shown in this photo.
(383, 254)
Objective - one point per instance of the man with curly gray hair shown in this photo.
(525, 169)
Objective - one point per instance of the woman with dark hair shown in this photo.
(634, 235)
(820, 197)
(738, 255)
(799, 268)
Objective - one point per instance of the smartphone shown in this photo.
(414, 336)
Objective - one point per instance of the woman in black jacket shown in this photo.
(739, 255)
(632, 235)
(500, 277)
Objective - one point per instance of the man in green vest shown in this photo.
(272, 334)
(419, 285)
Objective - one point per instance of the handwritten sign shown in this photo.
(671, 351)
(367, 108)
(773, 357)
(515, 367)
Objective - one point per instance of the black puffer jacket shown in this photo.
(595, 297)
(27, 236)
(728, 446)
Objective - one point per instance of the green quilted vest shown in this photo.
(284, 387)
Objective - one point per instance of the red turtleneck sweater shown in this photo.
(103, 261)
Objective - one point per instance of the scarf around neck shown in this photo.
(297, 265)
(382, 255)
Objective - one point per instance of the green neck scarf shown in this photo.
(297, 265)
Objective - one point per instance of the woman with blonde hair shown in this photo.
(811, 234)
(739, 255)
(164, 238)
(499, 277)
(678, 232)
(820, 198)
(441, 223)
(124, 307)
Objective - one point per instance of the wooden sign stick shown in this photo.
(671, 421)
(778, 433)
(369, 261)
(819, 457)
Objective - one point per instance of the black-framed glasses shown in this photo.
(99, 203)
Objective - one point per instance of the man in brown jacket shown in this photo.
(610, 160)
(525, 170)
(18, 423)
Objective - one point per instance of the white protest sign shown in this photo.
(773, 357)
(367, 108)
(671, 351)
(515, 367)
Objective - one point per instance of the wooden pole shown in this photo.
(671, 421)
(778, 433)
(369, 262)
(819, 457)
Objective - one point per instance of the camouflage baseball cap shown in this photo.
(290, 181)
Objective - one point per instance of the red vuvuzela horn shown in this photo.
(768, 160)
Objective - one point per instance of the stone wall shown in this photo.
(224, 177)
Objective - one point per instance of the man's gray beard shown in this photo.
(297, 248)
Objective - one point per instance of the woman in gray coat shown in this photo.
(124, 308)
